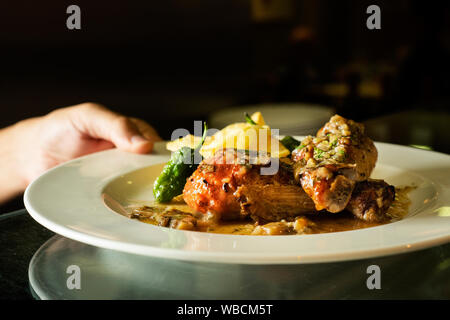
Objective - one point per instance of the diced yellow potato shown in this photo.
(189, 140)
(241, 135)
(258, 118)
(244, 136)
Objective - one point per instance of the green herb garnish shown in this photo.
(334, 143)
(249, 120)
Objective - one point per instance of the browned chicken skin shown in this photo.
(329, 165)
(236, 189)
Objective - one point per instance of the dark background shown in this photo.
(170, 62)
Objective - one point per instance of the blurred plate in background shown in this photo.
(290, 118)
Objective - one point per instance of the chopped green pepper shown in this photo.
(290, 143)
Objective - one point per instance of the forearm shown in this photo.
(12, 182)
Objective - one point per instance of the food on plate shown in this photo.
(236, 190)
(242, 135)
(172, 179)
(329, 164)
(290, 143)
(180, 216)
(224, 185)
(322, 183)
(371, 200)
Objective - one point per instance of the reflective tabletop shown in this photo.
(36, 263)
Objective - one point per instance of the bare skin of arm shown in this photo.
(32, 146)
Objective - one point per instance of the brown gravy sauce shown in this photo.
(313, 224)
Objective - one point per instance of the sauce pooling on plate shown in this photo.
(178, 215)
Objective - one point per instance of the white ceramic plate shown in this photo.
(82, 200)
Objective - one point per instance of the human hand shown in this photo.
(71, 132)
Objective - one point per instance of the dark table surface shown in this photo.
(20, 238)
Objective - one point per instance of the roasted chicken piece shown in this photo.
(329, 165)
(371, 199)
(230, 186)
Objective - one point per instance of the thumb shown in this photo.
(97, 122)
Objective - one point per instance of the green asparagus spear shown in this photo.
(181, 165)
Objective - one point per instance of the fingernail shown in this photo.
(138, 139)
